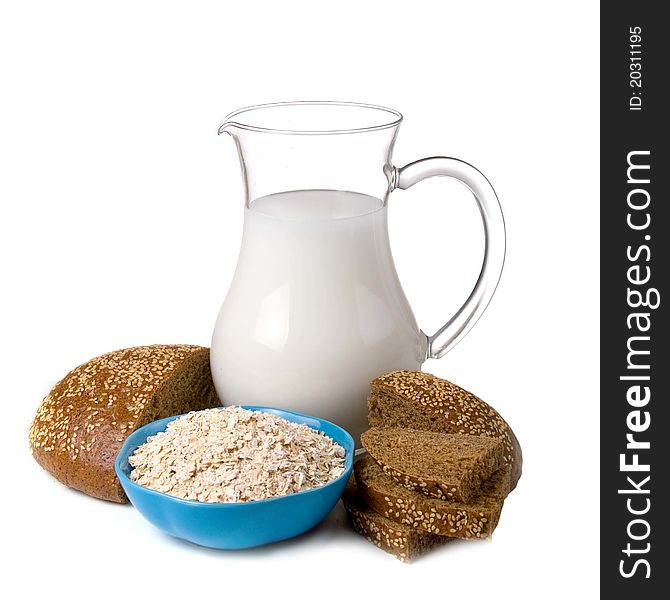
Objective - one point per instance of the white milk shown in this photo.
(315, 310)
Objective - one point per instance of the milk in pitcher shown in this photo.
(316, 301)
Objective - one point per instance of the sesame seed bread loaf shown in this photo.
(417, 400)
(439, 465)
(402, 541)
(476, 519)
(81, 424)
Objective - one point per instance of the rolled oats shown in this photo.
(235, 455)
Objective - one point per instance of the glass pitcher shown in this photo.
(315, 310)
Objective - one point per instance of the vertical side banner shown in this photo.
(635, 267)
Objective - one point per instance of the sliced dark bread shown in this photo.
(402, 541)
(439, 465)
(476, 519)
(416, 400)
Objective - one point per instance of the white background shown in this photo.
(120, 225)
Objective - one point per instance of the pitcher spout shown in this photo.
(226, 127)
(231, 124)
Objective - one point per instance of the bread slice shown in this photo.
(402, 541)
(80, 426)
(439, 465)
(417, 400)
(476, 519)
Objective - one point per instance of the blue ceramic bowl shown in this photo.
(236, 524)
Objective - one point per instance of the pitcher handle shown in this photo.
(460, 324)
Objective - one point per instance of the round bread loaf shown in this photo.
(81, 424)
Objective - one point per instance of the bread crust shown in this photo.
(474, 520)
(418, 400)
(402, 541)
(82, 423)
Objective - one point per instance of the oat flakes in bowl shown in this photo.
(246, 475)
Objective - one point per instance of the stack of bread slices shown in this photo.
(439, 464)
